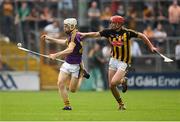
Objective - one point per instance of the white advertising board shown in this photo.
(19, 81)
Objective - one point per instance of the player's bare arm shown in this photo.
(147, 41)
(90, 35)
(58, 41)
(65, 52)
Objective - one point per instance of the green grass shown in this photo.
(143, 105)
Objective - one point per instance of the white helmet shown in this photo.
(70, 21)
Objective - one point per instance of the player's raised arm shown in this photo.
(58, 41)
(90, 35)
(147, 41)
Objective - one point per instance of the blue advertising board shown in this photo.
(154, 80)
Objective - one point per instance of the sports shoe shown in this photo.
(124, 85)
(67, 108)
(86, 74)
(122, 107)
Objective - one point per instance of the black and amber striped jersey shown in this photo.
(120, 41)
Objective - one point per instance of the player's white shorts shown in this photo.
(115, 64)
(72, 69)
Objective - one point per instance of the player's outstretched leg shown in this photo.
(86, 74)
(122, 106)
(124, 84)
(118, 75)
(62, 79)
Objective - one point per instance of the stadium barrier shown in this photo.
(18, 81)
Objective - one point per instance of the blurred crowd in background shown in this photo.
(157, 19)
(24, 21)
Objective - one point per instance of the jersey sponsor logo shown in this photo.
(117, 43)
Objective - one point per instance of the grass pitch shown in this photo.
(143, 105)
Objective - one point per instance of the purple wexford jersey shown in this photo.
(76, 56)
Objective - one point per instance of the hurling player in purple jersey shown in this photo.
(70, 71)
